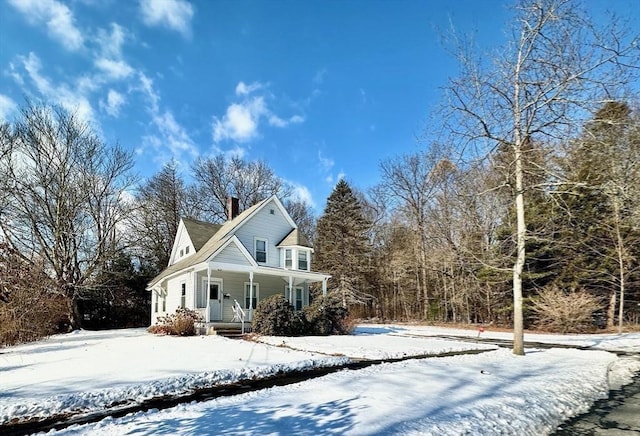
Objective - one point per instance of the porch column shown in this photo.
(208, 315)
(194, 289)
(324, 287)
(291, 290)
(250, 295)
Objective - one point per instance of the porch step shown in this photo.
(229, 330)
(232, 333)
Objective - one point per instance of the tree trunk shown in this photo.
(620, 253)
(611, 311)
(518, 322)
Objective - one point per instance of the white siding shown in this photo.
(231, 254)
(272, 227)
(181, 243)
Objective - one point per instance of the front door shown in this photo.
(215, 300)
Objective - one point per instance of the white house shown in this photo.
(223, 271)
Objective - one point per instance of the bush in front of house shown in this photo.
(327, 316)
(274, 316)
(180, 323)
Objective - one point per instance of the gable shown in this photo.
(182, 245)
(231, 254)
(271, 223)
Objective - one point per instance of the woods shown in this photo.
(521, 207)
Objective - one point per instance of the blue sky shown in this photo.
(317, 89)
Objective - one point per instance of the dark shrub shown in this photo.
(181, 323)
(274, 316)
(327, 316)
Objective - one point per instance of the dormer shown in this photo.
(295, 252)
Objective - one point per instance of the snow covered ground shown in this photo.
(489, 393)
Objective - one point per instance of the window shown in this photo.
(297, 297)
(214, 291)
(181, 253)
(298, 300)
(288, 258)
(256, 294)
(303, 262)
(261, 250)
(156, 297)
(164, 302)
(183, 295)
(186, 250)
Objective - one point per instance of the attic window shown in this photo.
(186, 250)
(181, 253)
(272, 212)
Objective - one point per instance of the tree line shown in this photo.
(525, 211)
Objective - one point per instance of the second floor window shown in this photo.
(288, 258)
(261, 250)
(303, 260)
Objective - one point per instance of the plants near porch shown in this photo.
(180, 323)
(274, 316)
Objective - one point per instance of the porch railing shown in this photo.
(238, 314)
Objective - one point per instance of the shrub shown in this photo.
(327, 316)
(181, 323)
(274, 316)
(30, 307)
(564, 312)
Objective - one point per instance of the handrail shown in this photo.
(238, 314)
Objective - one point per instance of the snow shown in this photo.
(493, 392)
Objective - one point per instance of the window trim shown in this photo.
(290, 251)
(266, 249)
(256, 295)
(183, 294)
(307, 260)
(303, 294)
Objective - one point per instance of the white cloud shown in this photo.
(56, 17)
(241, 120)
(318, 78)
(170, 134)
(244, 89)
(276, 121)
(71, 98)
(325, 163)
(7, 106)
(111, 42)
(301, 193)
(114, 69)
(173, 14)
(240, 123)
(115, 101)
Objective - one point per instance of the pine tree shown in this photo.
(342, 245)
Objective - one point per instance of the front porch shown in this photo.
(229, 294)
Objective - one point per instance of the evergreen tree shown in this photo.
(342, 245)
(161, 202)
(603, 204)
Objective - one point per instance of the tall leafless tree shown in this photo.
(217, 178)
(64, 197)
(556, 66)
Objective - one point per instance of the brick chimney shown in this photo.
(233, 207)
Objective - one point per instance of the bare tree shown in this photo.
(411, 184)
(218, 178)
(538, 88)
(64, 197)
